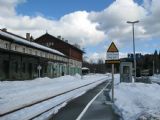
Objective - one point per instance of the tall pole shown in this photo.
(134, 53)
(113, 83)
(153, 67)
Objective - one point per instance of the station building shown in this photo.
(73, 53)
(21, 57)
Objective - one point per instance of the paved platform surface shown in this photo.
(75, 107)
(99, 110)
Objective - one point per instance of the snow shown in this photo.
(155, 78)
(47, 115)
(33, 44)
(16, 94)
(137, 100)
(116, 79)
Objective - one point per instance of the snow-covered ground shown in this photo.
(155, 78)
(137, 100)
(16, 94)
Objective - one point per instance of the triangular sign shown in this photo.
(112, 48)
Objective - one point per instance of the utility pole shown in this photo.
(134, 54)
(153, 67)
(113, 83)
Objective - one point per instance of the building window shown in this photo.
(35, 68)
(52, 56)
(24, 50)
(46, 55)
(6, 45)
(16, 67)
(41, 54)
(45, 69)
(15, 48)
(36, 52)
(24, 67)
(30, 51)
(126, 70)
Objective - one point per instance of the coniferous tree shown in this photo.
(156, 61)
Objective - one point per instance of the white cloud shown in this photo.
(151, 22)
(89, 28)
(75, 27)
(7, 7)
(94, 57)
(113, 19)
(78, 28)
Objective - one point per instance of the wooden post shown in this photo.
(113, 83)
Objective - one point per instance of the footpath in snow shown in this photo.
(17, 94)
(137, 101)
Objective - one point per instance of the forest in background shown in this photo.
(144, 62)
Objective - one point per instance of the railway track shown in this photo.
(27, 112)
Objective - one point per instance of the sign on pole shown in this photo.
(39, 70)
(112, 57)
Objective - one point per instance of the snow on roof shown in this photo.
(33, 44)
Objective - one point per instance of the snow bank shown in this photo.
(138, 100)
(155, 78)
(116, 79)
(15, 94)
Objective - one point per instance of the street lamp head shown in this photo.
(128, 22)
(132, 22)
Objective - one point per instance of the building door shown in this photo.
(30, 70)
(6, 69)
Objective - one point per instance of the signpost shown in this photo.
(39, 70)
(112, 58)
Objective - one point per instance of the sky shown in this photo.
(93, 24)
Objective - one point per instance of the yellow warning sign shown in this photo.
(112, 54)
(112, 48)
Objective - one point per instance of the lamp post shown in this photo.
(133, 22)
(153, 67)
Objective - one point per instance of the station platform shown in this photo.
(100, 110)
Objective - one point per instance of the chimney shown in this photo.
(31, 38)
(28, 36)
(59, 37)
(66, 41)
(62, 39)
(4, 29)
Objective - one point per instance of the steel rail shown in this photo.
(53, 107)
(40, 101)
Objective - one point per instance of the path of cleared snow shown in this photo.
(16, 94)
(138, 100)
